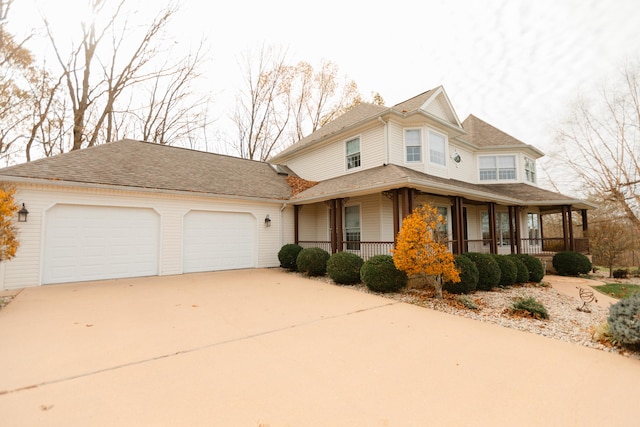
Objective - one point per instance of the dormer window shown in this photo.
(413, 145)
(437, 149)
(353, 153)
(499, 168)
(530, 169)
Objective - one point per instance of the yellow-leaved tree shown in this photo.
(8, 234)
(421, 248)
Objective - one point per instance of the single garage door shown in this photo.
(218, 241)
(97, 242)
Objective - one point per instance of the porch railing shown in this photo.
(535, 246)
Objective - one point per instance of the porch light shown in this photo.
(456, 157)
(22, 214)
(267, 221)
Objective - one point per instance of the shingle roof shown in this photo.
(391, 176)
(139, 164)
(414, 103)
(482, 134)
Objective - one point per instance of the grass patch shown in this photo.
(617, 290)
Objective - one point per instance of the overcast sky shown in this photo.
(515, 64)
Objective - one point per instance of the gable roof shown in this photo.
(366, 112)
(144, 165)
(390, 176)
(483, 135)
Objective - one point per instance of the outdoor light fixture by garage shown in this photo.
(22, 214)
(267, 221)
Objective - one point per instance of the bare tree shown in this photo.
(281, 103)
(600, 142)
(611, 236)
(111, 60)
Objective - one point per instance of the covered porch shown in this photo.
(495, 219)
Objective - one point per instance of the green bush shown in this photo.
(488, 270)
(569, 263)
(288, 255)
(508, 270)
(344, 267)
(380, 274)
(522, 275)
(620, 273)
(312, 261)
(624, 320)
(532, 306)
(468, 277)
(534, 265)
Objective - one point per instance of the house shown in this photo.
(131, 208)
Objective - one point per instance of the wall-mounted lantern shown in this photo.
(267, 221)
(22, 214)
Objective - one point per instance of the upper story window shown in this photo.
(437, 149)
(353, 153)
(497, 168)
(413, 145)
(530, 169)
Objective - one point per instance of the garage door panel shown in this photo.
(99, 242)
(218, 241)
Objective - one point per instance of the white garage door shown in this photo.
(97, 242)
(218, 241)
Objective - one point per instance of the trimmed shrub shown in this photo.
(570, 263)
(508, 270)
(468, 276)
(620, 273)
(344, 267)
(522, 274)
(534, 265)
(532, 306)
(624, 320)
(312, 261)
(380, 274)
(288, 255)
(488, 270)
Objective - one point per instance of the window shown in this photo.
(353, 153)
(497, 168)
(437, 149)
(530, 169)
(413, 145)
(352, 227)
(443, 229)
(502, 229)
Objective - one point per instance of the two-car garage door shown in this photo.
(83, 243)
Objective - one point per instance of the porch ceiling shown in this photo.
(389, 177)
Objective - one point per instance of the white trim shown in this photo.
(404, 143)
(346, 162)
(446, 148)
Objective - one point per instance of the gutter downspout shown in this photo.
(386, 139)
(284, 205)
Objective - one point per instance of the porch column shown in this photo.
(339, 221)
(572, 242)
(567, 229)
(406, 206)
(296, 223)
(585, 224)
(491, 207)
(396, 214)
(334, 226)
(518, 233)
(458, 225)
(512, 232)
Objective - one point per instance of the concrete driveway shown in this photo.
(265, 348)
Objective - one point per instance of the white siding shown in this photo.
(25, 269)
(328, 161)
(467, 169)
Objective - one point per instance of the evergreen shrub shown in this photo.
(380, 274)
(570, 263)
(508, 270)
(534, 265)
(344, 268)
(312, 261)
(468, 276)
(522, 275)
(488, 270)
(288, 255)
(624, 320)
